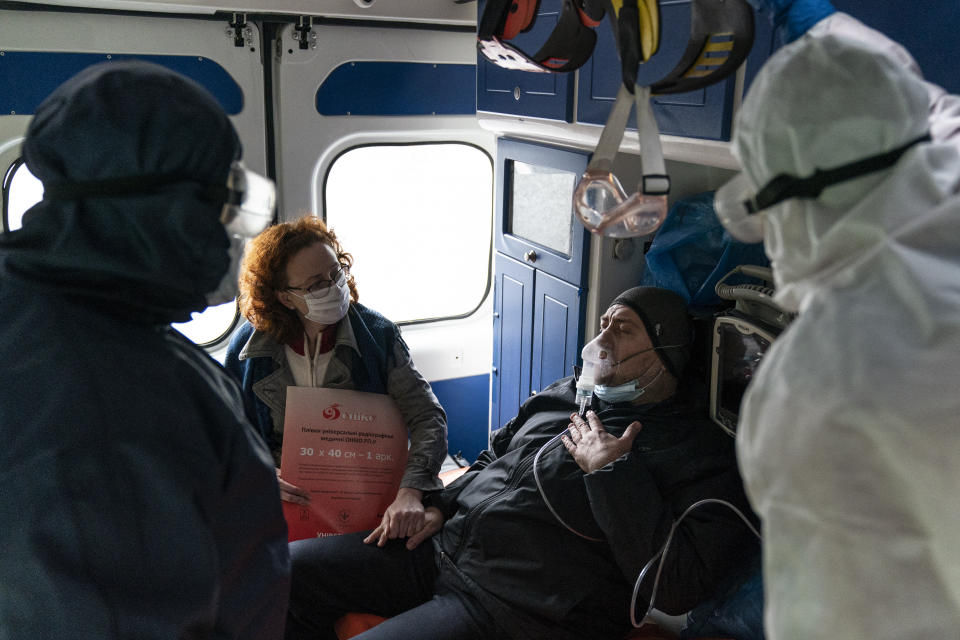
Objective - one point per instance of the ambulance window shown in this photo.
(418, 219)
(21, 190)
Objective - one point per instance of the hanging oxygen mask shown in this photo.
(721, 35)
(599, 200)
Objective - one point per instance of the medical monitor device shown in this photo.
(739, 343)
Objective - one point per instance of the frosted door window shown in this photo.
(541, 206)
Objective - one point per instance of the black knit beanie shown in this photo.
(664, 315)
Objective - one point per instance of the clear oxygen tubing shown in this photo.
(585, 385)
(584, 392)
(582, 405)
(536, 478)
(593, 357)
(663, 554)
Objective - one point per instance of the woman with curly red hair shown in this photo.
(306, 328)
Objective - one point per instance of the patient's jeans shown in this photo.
(736, 613)
(335, 575)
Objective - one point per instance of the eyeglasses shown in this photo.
(321, 286)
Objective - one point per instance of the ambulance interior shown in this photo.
(450, 178)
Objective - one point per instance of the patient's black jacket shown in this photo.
(502, 543)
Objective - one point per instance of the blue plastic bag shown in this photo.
(692, 251)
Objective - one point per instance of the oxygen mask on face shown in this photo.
(597, 362)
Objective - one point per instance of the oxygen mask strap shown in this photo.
(666, 346)
(655, 180)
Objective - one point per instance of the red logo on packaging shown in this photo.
(332, 412)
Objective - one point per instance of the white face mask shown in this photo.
(330, 306)
(626, 392)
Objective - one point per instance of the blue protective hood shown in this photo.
(150, 256)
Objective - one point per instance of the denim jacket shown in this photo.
(369, 355)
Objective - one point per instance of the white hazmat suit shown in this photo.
(849, 437)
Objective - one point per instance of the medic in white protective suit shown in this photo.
(849, 437)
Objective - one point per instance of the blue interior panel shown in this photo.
(765, 42)
(927, 29)
(466, 401)
(512, 369)
(512, 332)
(557, 330)
(35, 74)
(928, 34)
(398, 89)
(554, 329)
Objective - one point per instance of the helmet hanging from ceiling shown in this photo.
(568, 47)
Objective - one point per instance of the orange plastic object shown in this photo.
(452, 474)
(353, 624)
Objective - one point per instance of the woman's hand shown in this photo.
(403, 518)
(291, 493)
(432, 522)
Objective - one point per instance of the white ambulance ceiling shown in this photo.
(424, 11)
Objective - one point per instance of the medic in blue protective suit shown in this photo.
(137, 500)
(849, 434)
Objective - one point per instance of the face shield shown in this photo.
(249, 199)
(599, 200)
(735, 205)
(249, 203)
(739, 203)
